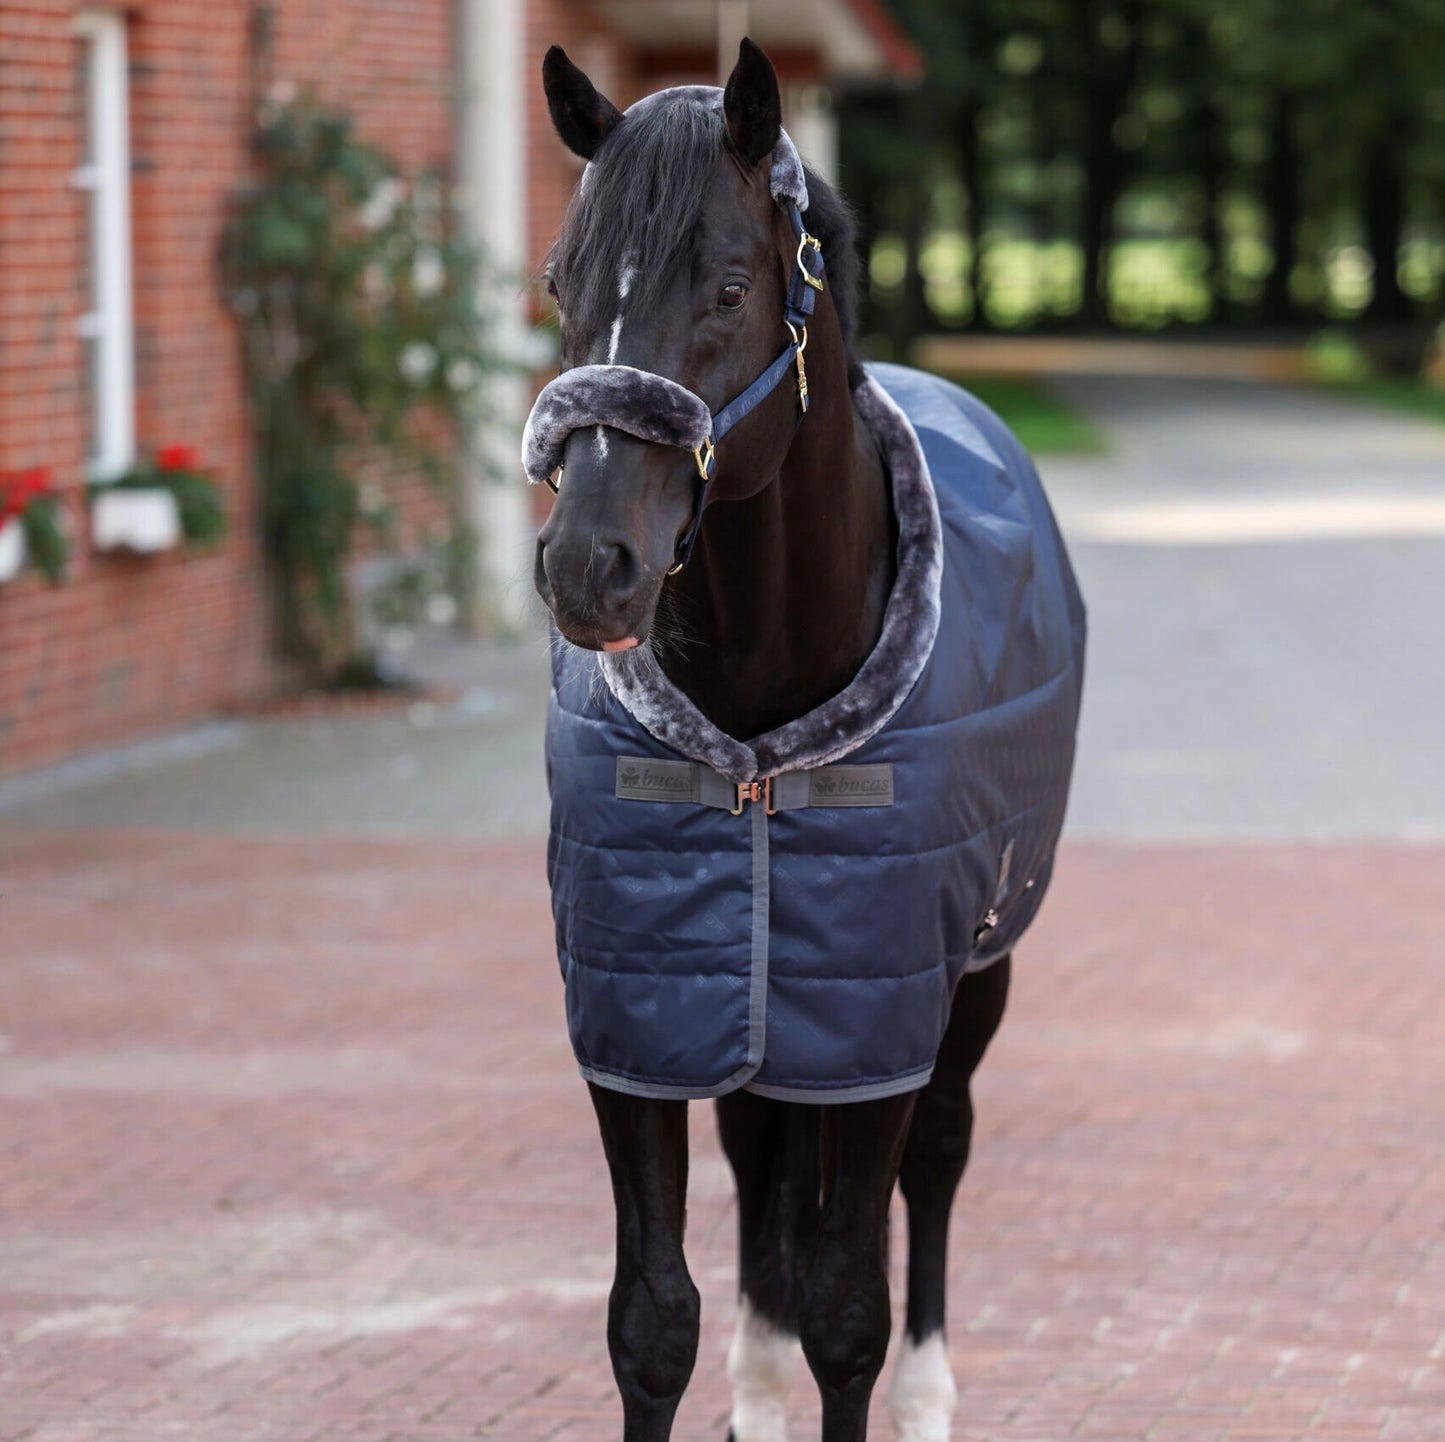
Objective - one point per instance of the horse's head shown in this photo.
(674, 260)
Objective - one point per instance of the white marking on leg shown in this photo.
(761, 1361)
(922, 1395)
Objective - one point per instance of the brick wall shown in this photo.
(552, 170)
(131, 646)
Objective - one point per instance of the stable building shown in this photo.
(124, 136)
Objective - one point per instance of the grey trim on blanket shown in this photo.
(642, 403)
(867, 704)
(786, 182)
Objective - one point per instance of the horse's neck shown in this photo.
(785, 596)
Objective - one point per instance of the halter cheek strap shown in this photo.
(656, 409)
(804, 284)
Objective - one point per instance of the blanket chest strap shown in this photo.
(642, 778)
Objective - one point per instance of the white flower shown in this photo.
(427, 272)
(381, 204)
(461, 374)
(371, 499)
(282, 93)
(417, 361)
(441, 609)
(397, 638)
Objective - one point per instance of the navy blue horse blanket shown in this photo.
(806, 944)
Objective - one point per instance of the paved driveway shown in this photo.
(1265, 572)
(292, 1146)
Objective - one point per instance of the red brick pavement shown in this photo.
(291, 1147)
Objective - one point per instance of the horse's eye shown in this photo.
(552, 286)
(731, 296)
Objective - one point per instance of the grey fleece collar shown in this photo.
(866, 705)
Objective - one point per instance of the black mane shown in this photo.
(640, 203)
(830, 218)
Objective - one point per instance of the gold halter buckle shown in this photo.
(704, 455)
(804, 241)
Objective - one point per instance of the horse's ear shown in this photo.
(583, 118)
(752, 106)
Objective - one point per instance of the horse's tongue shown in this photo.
(625, 644)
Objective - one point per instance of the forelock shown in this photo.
(637, 208)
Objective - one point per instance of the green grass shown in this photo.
(1416, 398)
(1044, 425)
(1339, 362)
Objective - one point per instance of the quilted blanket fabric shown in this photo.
(812, 953)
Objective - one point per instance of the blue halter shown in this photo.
(656, 409)
(804, 284)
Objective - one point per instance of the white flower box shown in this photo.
(144, 521)
(12, 549)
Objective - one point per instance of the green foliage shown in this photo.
(199, 502)
(201, 506)
(1338, 360)
(1413, 397)
(1290, 153)
(46, 542)
(28, 498)
(1042, 422)
(365, 348)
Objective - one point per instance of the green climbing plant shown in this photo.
(365, 348)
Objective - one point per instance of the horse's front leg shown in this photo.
(772, 1147)
(844, 1317)
(923, 1393)
(652, 1319)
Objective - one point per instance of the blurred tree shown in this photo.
(1105, 45)
(1288, 156)
(900, 144)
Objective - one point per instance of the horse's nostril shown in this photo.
(623, 573)
(587, 577)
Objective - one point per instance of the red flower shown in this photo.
(178, 458)
(19, 488)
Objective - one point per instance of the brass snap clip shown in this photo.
(801, 341)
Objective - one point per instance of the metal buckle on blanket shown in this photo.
(755, 791)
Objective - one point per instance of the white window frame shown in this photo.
(104, 177)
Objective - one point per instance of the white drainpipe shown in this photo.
(491, 169)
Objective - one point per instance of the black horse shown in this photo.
(676, 259)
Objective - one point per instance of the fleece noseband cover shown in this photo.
(642, 403)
